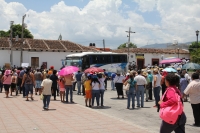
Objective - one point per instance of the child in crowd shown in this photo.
(88, 91)
(13, 83)
(61, 83)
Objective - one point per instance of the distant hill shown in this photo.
(166, 45)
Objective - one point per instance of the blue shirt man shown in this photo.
(78, 80)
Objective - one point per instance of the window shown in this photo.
(116, 58)
(123, 58)
(85, 62)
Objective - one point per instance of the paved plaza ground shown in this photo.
(19, 116)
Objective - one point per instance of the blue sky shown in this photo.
(85, 21)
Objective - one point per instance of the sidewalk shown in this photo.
(20, 116)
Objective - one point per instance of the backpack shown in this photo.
(171, 114)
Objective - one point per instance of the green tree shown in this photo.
(17, 30)
(131, 45)
(4, 33)
(194, 49)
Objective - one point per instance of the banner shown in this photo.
(25, 64)
(139, 56)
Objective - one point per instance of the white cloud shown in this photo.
(104, 19)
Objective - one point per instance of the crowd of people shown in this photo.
(149, 81)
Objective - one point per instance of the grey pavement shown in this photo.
(146, 118)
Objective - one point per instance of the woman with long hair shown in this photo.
(6, 80)
(169, 100)
(131, 93)
(95, 91)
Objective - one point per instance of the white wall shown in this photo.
(149, 56)
(52, 58)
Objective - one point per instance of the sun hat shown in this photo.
(155, 70)
(144, 74)
(127, 74)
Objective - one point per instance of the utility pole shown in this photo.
(129, 33)
(11, 50)
(22, 37)
(104, 45)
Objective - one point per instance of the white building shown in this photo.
(144, 57)
(38, 52)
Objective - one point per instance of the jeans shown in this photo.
(95, 93)
(130, 95)
(112, 85)
(101, 96)
(46, 101)
(79, 87)
(156, 92)
(140, 92)
(28, 87)
(105, 83)
(68, 89)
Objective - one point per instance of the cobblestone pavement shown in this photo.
(20, 116)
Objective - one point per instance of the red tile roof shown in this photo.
(151, 50)
(40, 44)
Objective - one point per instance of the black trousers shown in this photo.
(178, 127)
(150, 90)
(196, 113)
(54, 90)
(74, 86)
(83, 89)
(105, 82)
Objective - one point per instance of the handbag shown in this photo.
(127, 87)
(171, 114)
(41, 97)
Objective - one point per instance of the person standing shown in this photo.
(88, 91)
(14, 84)
(28, 81)
(101, 78)
(106, 79)
(118, 80)
(170, 100)
(20, 78)
(6, 80)
(112, 81)
(156, 87)
(193, 90)
(54, 86)
(146, 87)
(149, 85)
(78, 81)
(132, 90)
(141, 84)
(164, 74)
(1, 84)
(183, 85)
(95, 91)
(61, 84)
(46, 91)
(68, 87)
(83, 79)
(38, 80)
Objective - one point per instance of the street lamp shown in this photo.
(22, 37)
(197, 33)
(11, 50)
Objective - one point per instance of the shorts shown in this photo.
(38, 84)
(62, 89)
(6, 87)
(88, 94)
(28, 88)
(13, 86)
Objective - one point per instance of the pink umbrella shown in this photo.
(172, 60)
(68, 70)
